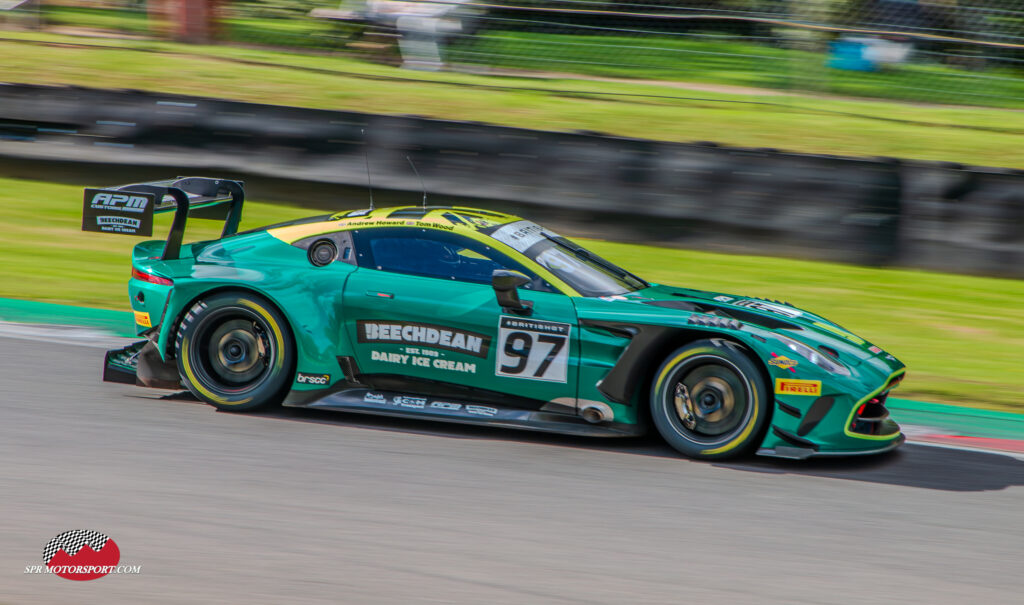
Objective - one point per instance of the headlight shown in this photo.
(814, 356)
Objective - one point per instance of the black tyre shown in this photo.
(235, 351)
(709, 400)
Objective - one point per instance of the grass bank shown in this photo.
(805, 123)
(961, 336)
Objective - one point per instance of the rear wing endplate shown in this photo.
(129, 209)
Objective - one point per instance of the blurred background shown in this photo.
(947, 51)
(861, 158)
(958, 52)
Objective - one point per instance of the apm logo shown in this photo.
(119, 201)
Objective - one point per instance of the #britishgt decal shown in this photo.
(441, 337)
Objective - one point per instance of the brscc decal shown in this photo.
(533, 349)
(314, 379)
(441, 337)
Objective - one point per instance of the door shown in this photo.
(423, 319)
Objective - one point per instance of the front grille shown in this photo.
(872, 418)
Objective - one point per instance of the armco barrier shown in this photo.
(761, 201)
(963, 219)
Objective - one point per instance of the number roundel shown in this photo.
(533, 349)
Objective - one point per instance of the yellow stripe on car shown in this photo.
(433, 219)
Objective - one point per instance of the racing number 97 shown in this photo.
(533, 349)
(519, 346)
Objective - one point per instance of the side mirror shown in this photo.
(505, 284)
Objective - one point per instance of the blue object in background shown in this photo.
(850, 55)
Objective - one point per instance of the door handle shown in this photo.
(376, 294)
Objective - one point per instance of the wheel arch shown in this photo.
(172, 332)
(632, 377)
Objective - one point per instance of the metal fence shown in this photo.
(968, 52)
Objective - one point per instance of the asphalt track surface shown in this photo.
(297, 506)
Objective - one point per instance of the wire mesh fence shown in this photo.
(968, 52)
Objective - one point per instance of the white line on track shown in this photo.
(67, 335)
(967, 449)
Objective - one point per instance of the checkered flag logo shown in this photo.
(72, 541)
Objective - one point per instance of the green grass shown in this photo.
(127, 21)
(737, 63)
(960, 336)
(797, 123)
(298, 31)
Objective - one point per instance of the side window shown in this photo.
(429, 253)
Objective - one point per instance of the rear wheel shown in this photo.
(709, 400)
(235, 351)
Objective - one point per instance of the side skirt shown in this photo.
(390, 403)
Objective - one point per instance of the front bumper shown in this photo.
(833, 424)
(802, 453)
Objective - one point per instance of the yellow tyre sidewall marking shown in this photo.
(278, 336)
(187, 366)
(278, 363)
(753, 392)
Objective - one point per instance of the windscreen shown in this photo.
(584, 271)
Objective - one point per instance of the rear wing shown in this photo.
(129, 209)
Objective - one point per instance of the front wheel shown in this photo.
(709, 400)
(235, 351)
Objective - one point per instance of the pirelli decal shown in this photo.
(430, 335)
(789, 386)
(142, 318)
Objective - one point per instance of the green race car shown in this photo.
(473, 316)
